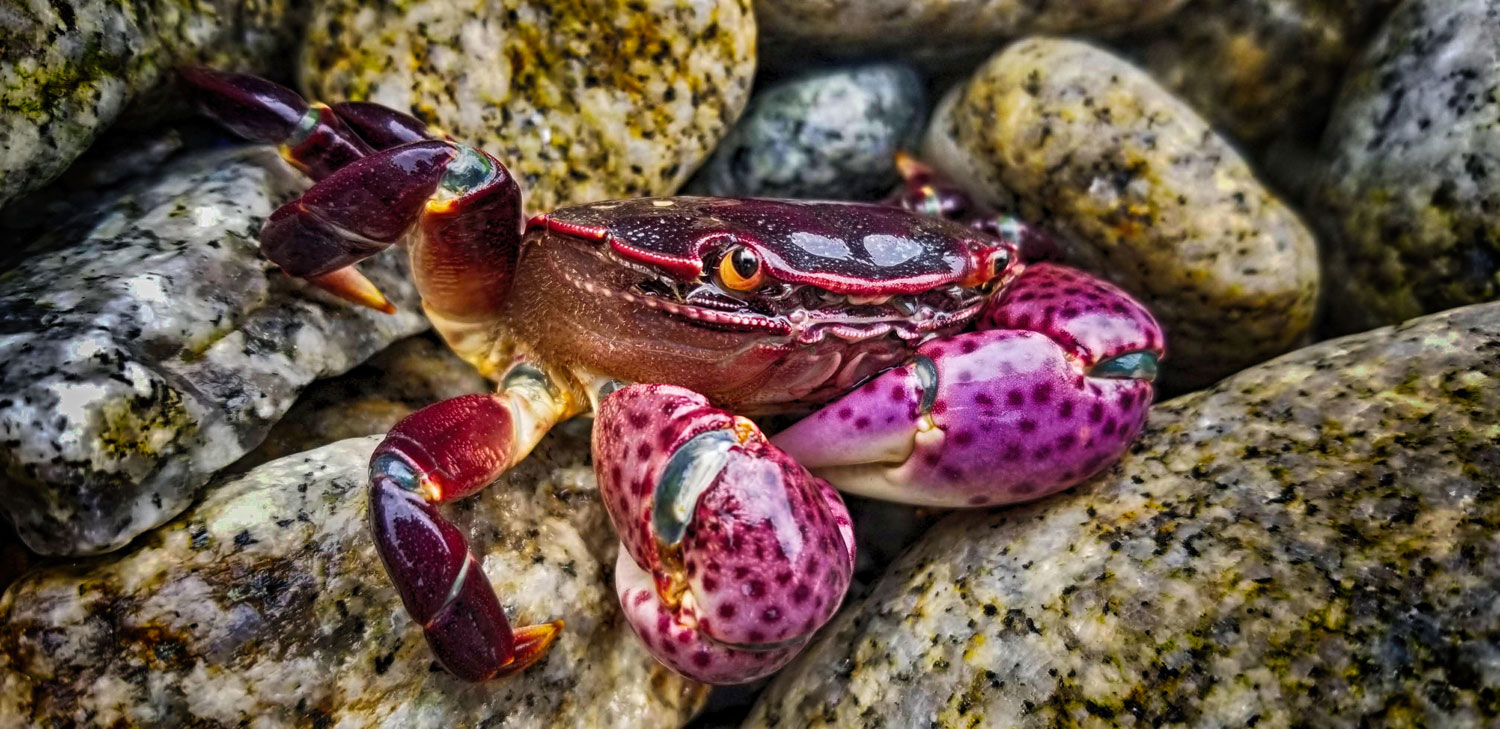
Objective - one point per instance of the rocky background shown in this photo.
(1306, 534)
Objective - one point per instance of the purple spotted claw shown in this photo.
(732, 553)
(1054, 387)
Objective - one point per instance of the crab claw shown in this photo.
(732, 553)
(1054, 390)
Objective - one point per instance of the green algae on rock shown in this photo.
(583, 100)
(1310, 542)
(70, 68)
(1141, 192)
(155, 346)
(859, 26)
(267, 600)
(1408, 199)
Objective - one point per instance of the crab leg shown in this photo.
(1055, 386)
(438, 454)
(732, 554)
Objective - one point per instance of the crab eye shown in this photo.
(740, 269)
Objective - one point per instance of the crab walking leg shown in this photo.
(1053, 389)
(441, 453)
(732, 554)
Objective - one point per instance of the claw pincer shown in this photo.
(1054, 386)
(732, 553)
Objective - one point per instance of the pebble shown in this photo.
(582, 102)
(1310, 542)
(1141, 191)
(830, 134)
(1407, 196)
(156, 347)
(267, 604)
(71, 68)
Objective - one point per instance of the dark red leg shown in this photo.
(382, 126)
(441, 453)
(925, 191)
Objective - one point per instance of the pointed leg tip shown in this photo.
(532, 642)
(350, 285)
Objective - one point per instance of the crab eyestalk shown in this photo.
(1054, 388)
(732, 554)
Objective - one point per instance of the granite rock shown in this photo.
(370, 398)
(1140, 191)
(1310, 542)
(583, 100)
(951, 27)
(829, 134)
(158, 347)
(1259, 69)
(71, 68)
(267, 604)
(1407, 199)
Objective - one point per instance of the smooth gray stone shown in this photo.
(160, 347)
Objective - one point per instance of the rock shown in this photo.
(582, 101)
(14, 557)
(268, 601)
(71, 68)
(830, 134)
(946, 26)
(370, 398)
(1309, 543)
(1408, 200)
(1259, 69)
(159, 347)
(1142, 192)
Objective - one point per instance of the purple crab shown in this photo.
(939, 368)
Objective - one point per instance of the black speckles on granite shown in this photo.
(159, 347)
(830, 134)
(582, 100)
(266, 603)
(1310, 542)
(1143, 192)
(1409, 198)
(70, 68)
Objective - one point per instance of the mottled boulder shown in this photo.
(830, 134)
(1142, 192)
(1259, 69)
(1309, 543)
(1408, 198)
(583, 101)
(370, 398)
(858, 26)
(71, 68)
(158, 347)
(267, 604)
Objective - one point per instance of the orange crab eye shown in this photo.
(740, 269)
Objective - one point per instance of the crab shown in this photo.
(935, 365)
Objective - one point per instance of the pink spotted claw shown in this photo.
(732, 553)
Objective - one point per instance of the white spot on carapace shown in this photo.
(663, 203)
(821, 245)
(891, 250)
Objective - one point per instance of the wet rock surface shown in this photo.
(159, 347)
(857, 26)
(1408, 199)
(71, 68)
(267, 600)
(1142, 192)
(830, 134)
(583, 101)
(1309, 542)
(370, 398)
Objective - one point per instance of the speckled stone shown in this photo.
(1142, 192)
(1408, 199)
(267, 604)
(160, 347)
(583, 100)
(912, 25)
(1309, 543)
(71, 68)
(830, 134)
(370, 398)
(1259, 69)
